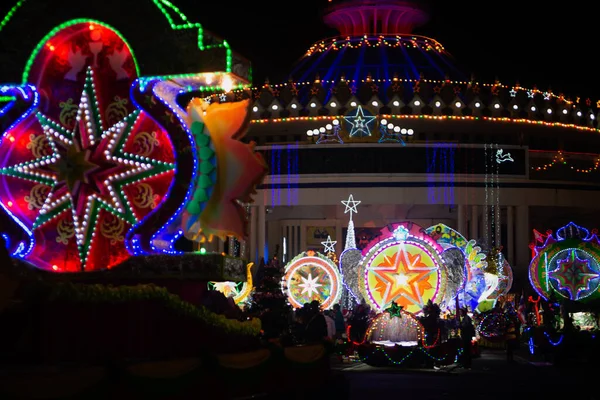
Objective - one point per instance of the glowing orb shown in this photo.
(312, 276)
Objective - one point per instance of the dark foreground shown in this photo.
(491, 377)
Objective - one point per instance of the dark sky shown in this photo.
(529, 41)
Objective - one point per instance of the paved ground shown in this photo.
(491, 377)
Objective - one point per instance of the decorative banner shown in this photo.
(404, 267)
(88, 166)
(312, 276)
(567, 264)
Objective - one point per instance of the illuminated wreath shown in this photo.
(567, 264)
(403, 266)
(312, 276)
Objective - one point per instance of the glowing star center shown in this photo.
(401, 279)
(309, 285)
(73, 167)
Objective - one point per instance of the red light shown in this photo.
(51, 46)
(55, 267)
(9, 203)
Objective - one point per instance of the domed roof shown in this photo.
(376, 39)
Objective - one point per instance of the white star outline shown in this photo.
(329, 245)
(350, 205)
(360, 123)
(309, 284)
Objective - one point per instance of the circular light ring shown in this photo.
(432, 257)
(327, 276)
(540, 279)
(594, 283)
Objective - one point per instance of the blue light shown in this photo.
(30, 96)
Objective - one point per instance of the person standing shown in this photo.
(340, 323)
(467, 332)
(316, 327)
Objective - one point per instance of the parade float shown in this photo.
(104, 167)
(565, 274)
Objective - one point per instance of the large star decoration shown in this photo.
(309, 285)
(87, 170)
(329, 245)
(573, 275)
(402, 278)
(361, 123)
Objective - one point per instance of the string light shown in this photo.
(559, 159)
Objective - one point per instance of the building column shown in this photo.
(252, 256)
(261, 231)
(461, 225)
(522, 235)
(510, 233)
(474, 222)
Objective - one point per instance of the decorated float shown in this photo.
(105, 164)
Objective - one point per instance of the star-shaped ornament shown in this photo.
(309, 285)
(394, 310)
(351, 205)
(360, 123)
(329, 245)
(87, 171)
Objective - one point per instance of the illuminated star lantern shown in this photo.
(401, 233)
(394, 310)
(360, 123)
(402, 277)
(88, 174)
(573, 275)
(309, 285)
(329, 245)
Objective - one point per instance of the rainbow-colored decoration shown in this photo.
(403, 265)
(312, 276)
(567, 264)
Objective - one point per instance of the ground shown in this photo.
(491, 377)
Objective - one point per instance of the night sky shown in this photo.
(550, 47)
(529, 41)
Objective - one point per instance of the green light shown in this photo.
(62, 26)
(202, 250)
(10, 13)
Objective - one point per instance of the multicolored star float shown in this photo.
(88, 175)
(573, 275)
(360, 123)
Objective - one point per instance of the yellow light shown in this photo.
(226, 83)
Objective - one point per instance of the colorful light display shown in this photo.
(240, 291)
(404, 266)
(567, 264)
(88, 166)
(312, 276)
(98, 163)
(395, 327)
